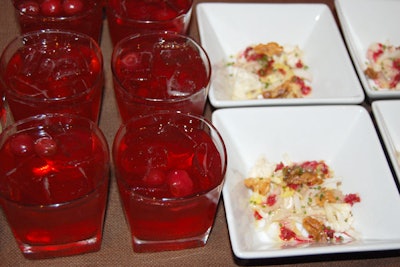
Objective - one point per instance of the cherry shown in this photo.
(29, 7)
(154, 177)
(180, 183)
(21, 145)
(45, 146)
(72, 7)
(51, 7)
(130, 60)
(165, 14)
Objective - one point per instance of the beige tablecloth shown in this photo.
(116, 247)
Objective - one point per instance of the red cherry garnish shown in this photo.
(130, 60)
(180, 183)
(45, 146)
(154, 177)
(165, 14)
(72, 7)
(51, 7)
(21, 145)
(29, 7)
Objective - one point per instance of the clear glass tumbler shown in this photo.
(170, 168)
(128, 17)
(54, 176)
(85, 16)
(160, 71)
(52, 71)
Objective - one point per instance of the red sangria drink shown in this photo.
(85, 16)
(127, 17)
(160, 71)
(54, 176)
(170, 168)
(2, 111)
(52, 71)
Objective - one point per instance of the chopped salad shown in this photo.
(300, 202)
(383, 66)
(268, 71)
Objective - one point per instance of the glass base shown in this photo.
(61, 250)
(175, 244)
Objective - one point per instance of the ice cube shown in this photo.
(30, 61)
(45, 68)
(171, 53)
(180, 84)
(65, 68)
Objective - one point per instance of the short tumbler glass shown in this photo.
(85, 16)
(52, 71)
(127, 17)
(160, 71)
(3, 115)
(54, 176)
(170, 169)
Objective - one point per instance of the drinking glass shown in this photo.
(160, 71)
(170, 168)
(127, 17)
(54, 177)
(85, 16)
(2, 112)
(52, 71)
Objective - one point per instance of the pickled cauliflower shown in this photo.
(300, 202)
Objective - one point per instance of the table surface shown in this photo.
(116, 246)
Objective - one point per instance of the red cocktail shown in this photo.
(84, 16)
(2, 111)
(160, 71)
(127, 17)
(170, 169)
(53, 71)
(53, 184)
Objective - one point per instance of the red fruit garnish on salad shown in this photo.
(352, 198)
(287, 234)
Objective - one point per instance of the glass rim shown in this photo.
(224, 155)
(131, 37)
(96, 6)
(167, 21)
(43, 117)
(74, 35)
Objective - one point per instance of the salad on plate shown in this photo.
(300, 202)
(265, 71)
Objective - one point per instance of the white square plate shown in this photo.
(386, 113)
(365, 22)
(343, 136)
(226, 29)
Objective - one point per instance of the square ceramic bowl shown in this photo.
(341, 135)
(386, 113)
(365, 22)
(228, 28)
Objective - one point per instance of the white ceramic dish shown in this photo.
(343, 136)
(225, 29)
(365, 22)
(386, 113)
